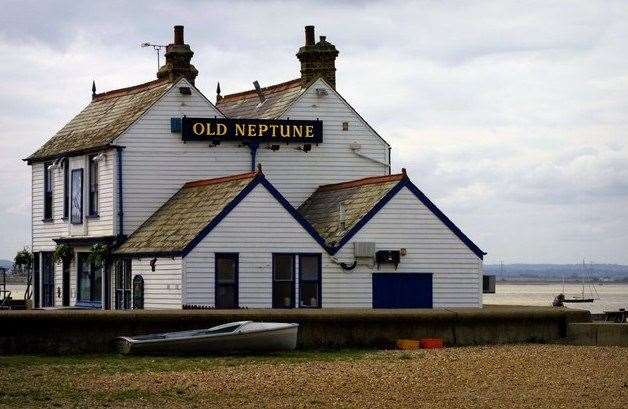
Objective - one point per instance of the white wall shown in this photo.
(162, 287)
(297, 174)
(431, 248)
(156, 162)
(255, 229)
(104, 225)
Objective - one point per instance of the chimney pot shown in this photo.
(178, 35)
(309, 35)
(323, 38)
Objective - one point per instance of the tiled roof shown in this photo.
(247, 104)
(184, 216)
(357, 197)
(103, 120)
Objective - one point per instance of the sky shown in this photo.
(512, 116)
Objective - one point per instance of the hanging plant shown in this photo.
(63, 253)
(23, 260)
(99, 254)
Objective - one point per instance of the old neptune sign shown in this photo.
(253, 130)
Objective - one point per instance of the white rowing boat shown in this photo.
(231, 337)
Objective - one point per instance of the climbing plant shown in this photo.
(63, 253)
(99, 254)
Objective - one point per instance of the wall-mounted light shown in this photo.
(152, 264)
(273, 148)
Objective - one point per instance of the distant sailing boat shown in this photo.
(582, 298)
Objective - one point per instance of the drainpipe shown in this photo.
(253, 146)
(120, 201)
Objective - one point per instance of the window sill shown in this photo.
(47, 220)
(92, 216)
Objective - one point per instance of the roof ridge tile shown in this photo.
(361, 182)
(128, 90)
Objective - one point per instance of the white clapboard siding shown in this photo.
(162, 287)
(431, 248)
(156, 162)
(297, 174)
(104, 225)
(256, 228)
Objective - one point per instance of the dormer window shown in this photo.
(93, 185)
(48, 191)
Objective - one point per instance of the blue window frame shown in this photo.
(284, 267)
(310, 274)
(89, 282)
(226, 280)
(93, 187)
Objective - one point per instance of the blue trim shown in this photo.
(223, 213)
(295, 214)
(259, 179)
(120, 201)
(367, 217)
(175, 125)
(405, 182)
(455, 230)
(253, 147)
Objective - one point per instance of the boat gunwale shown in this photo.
(205, 336)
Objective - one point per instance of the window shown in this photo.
(226, 280)
(47, 279)
(93, 186)
(48, 191)
(310, 280)
(283, 280)
(89, 281)
(123, 284)
(138, 292)
(76, 211)
(66, 188)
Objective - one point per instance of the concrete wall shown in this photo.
(72, 332)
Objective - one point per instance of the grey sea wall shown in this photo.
(81, 332)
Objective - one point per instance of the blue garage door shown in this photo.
(402, 290)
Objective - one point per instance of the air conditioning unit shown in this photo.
(364, 249)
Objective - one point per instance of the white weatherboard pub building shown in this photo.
(277, 197)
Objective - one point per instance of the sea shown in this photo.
(612, 296)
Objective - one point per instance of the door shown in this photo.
(226, 280)
(402, 290)
(65, 295)
(47, 279)
(123, 284)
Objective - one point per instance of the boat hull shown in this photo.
(282, 339)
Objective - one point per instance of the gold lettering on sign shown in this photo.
(239, 129)
(252, 130)
(297, 130)
(274, 129)
(263, 129)
(221, 129)
(309, 131)
(284, 131)
(198, 128)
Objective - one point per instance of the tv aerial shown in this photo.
(157, 48)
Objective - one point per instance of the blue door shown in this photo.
(402, 290)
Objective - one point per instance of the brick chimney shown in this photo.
(317, 60)
(178, 56)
